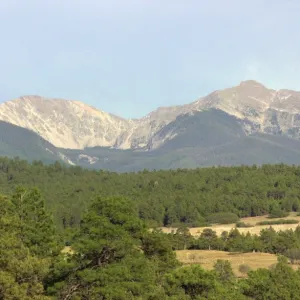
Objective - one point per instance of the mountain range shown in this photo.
(245, 124)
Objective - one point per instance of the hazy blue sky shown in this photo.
(131, 56)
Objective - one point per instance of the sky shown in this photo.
(129, 57)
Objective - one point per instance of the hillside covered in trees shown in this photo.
(103, 218)
(163, 198)
(115, 257)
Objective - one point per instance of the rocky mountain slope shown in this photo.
(66, 124)
(206, 138)
(75, 125)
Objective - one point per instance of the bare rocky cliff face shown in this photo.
(75, 125)
(65, 124)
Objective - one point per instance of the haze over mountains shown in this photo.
(245, 124)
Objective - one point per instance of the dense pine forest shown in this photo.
(70, 233)
(114, 256)
(163, 198)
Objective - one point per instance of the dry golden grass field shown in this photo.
(207, 259)
(219, 228)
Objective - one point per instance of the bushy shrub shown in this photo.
(278, 214)
(223, 218)
(278, 222)
(223, 270)
(242, 225)
(244, 269)
(293, 255)
(190, 225)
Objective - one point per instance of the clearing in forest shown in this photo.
(207, 259)
(219, 228)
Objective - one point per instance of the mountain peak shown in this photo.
(64, 123)
(251, 83)
(76, 125)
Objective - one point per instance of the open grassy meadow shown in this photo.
(207, 259)
(219, 228)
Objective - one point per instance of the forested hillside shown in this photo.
(103, 218)
(162, 197)
(114, 256)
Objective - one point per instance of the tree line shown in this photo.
(285, 242)
(163, 198)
